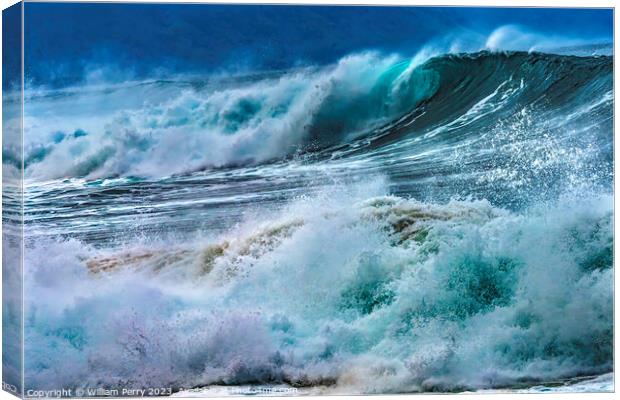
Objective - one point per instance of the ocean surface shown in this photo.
(378, 225)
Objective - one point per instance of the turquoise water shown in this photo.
(380, 225)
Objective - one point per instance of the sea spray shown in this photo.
(371, 295)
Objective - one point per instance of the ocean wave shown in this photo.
(354, 289)
(381, 99)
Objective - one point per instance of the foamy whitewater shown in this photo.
(381, 225)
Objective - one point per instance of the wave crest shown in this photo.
(266, 118)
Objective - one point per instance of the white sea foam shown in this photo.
(362, 293)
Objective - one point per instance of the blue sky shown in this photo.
(65, 42)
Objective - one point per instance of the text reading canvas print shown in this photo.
(245, 199)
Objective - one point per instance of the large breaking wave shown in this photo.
(189, 126)
(378, 225)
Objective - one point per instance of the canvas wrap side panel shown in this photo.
(12, 200)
